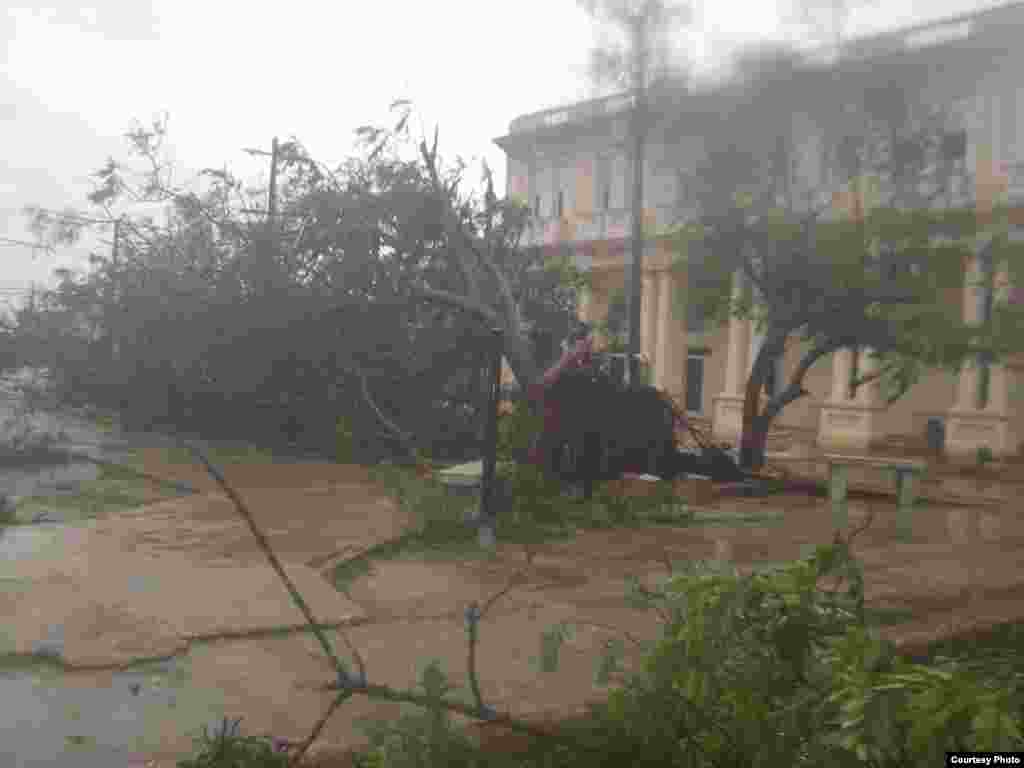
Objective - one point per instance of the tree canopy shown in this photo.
(367, 293)
(887, 277)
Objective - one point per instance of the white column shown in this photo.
(737, 365)
(671, 339)
(842, 362)
(967, 385)
(727, 420)
(970, 428)
(869, 394)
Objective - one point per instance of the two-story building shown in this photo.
(572, 167)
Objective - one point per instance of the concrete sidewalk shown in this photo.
(184, 580)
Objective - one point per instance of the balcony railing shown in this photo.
(575, 113)
(612, 224)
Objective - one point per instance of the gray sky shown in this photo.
(233, 75)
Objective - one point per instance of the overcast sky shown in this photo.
(233, 75)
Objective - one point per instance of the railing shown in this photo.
(612, 224)
(576, 113)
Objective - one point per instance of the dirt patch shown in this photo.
(304, 474)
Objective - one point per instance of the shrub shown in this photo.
(773, 669)
(984, 456)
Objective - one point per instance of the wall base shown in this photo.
(727, 420)
(851, 426)
(968, 430)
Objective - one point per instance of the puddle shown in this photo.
(99, 719)
(18, 542)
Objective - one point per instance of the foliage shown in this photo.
(425, 737)
(8, 511)
(773, 669)
(344, 445)
(518, 426)
(877, 278)
(226, 747)
(113, 489)
(368, 299)
(984, 456)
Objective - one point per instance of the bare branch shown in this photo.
(404, 437)
(484, 313)
(454, 228)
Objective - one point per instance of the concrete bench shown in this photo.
(905, 472)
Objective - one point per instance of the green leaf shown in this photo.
(550, 647)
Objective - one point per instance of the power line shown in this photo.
(25, 243)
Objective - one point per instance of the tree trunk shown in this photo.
(518, 352)
(755, 430)
(755, 433)
(755, 423)
(757, 443)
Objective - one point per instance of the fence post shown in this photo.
(487, 518)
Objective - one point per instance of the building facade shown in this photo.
(572, 167)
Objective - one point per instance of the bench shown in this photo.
(905, 471)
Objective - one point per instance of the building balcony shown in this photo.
(615, 224)
(581, 113)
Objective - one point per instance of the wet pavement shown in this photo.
(77, 720)
(121, 636)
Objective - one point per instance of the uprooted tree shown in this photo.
(883, 279)
(376, 281)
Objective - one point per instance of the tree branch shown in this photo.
(483, 313)
(795, 389)
(450, 221)
(404, 437)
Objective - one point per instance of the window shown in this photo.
(954, 146)
(619, 183)
(536, 205)
(695, 382)
(544, 193)
(771, 381)
(560, 210)
(604, 183)
(848, 157)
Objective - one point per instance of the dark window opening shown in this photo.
(695, 383)
(561, 204)
(604, 183)
(536, 205)
(771, 380)
(954, 146)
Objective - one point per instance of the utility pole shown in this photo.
(271, 211)
(115, 341)
(269, 226)
(634, 296)
(272, 194)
